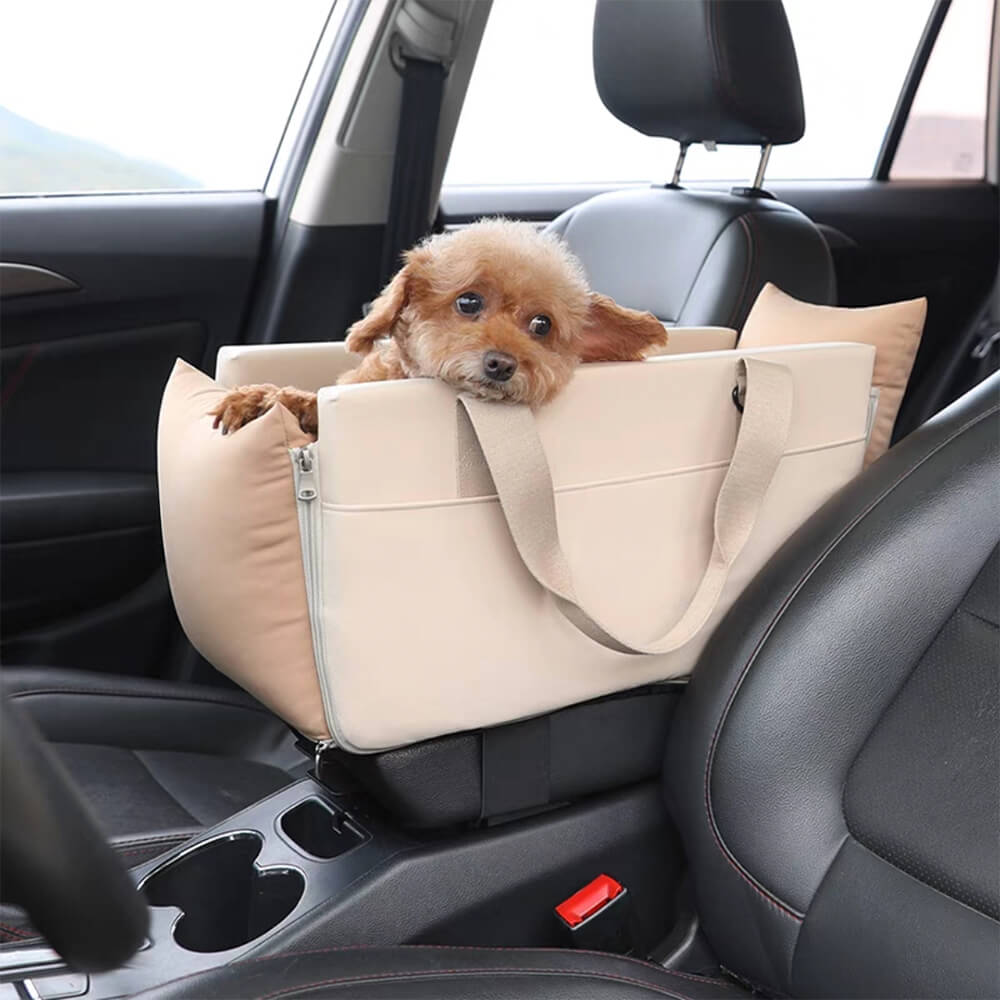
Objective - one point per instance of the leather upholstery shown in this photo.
(157, 761)
(55, 862)
(896, 783)
(696, 258)
(693, 70)
(696, 70)
(560, 757)
(834, 766)
(443, 973)
(44, 505)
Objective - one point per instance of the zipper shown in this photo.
(305, 474)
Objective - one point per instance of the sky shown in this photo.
(205, 86)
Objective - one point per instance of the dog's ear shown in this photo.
(382, 316)
(614, 333)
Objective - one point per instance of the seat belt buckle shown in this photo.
(599, 917)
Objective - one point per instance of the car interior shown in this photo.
(814, 813)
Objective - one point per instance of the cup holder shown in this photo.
(225, 901)
(319, 831)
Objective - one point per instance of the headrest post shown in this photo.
(765, 155)
(679, 165)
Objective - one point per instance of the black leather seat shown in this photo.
(701, 70)
(157, 761)
(448, 974)
(835, 765)
(834, 768)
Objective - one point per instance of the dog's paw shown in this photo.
(242, 405)
(302, 405)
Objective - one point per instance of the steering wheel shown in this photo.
(54, 860)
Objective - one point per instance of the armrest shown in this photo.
(77, 706)
(54, 504)
(306, 366)
(695, 339)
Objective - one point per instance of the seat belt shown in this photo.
(975, 358)
(985, 355)
(413, 166)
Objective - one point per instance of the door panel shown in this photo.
(82, 370)
(906, 239)
(89, 402)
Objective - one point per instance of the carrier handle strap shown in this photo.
(507, 438)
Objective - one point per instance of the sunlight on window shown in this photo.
(114, 95)
(945, 135)
(533, 115)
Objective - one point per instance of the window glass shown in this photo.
(533, 116)
(945, 133)
(123, 95)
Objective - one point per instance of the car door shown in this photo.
(138, 193)
(893, 166)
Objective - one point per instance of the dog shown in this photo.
(498, 309)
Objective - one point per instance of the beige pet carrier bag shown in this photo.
(434, 563)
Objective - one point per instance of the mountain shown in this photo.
(37, 160)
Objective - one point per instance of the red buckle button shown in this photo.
(592, 897)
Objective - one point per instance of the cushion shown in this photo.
(233, 548)
(893, 330)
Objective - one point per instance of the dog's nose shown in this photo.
(498, 366)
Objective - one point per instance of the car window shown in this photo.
(945, 133)
(532, 114)
(114, 95)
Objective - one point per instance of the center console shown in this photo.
(347, 860)
(220, 897)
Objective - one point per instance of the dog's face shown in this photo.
(503, 311)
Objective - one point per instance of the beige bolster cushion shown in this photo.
(893, 330)
(233, 549)
(309, 366)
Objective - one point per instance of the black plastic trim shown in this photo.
(883, 162)
(277, 263)
(49, 504)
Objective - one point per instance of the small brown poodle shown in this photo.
(497, 309)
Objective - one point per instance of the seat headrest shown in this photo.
(699, 70)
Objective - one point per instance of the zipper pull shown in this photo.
(307, 481)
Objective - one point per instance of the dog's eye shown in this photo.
(469, 303)
(540, 325)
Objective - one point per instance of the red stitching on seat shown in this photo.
(18, 932)
(208, 699)
(164, 838)
(756, 255)
(157, 848)
(436, 973)
(793, 593)
(746, 284)
(652, 966)
(17, 377)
